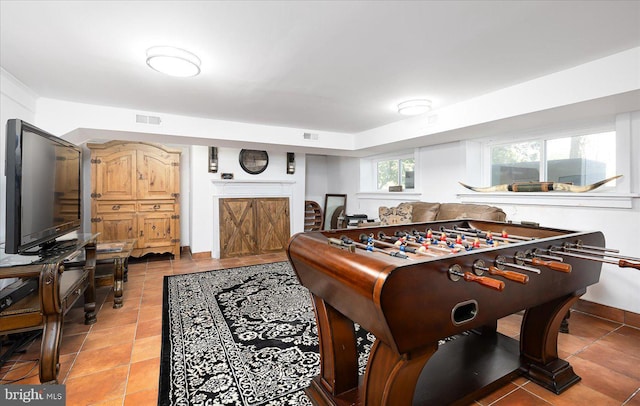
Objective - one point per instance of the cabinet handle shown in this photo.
(156, 206)
(141, 233)
(115, 207)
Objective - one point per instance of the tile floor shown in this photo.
(117, 360)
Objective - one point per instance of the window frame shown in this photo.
(400, 171)
(369, 168)
(620, 197)
(622, 153)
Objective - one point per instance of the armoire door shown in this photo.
(155, 230)
(116, 226)
(113, 175)
(157, 174)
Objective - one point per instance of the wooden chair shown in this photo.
(312, 216)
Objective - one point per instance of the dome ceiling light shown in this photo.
(414, 107)
(173, 61)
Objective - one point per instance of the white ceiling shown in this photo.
(323, 65)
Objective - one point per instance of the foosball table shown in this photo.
(432, 293)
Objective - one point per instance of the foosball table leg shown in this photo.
(337, 383)
(391, 378)
(564, 326)
(539, 344)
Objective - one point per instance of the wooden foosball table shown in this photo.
(432, 293)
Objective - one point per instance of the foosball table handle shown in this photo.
(513, 276)
(556, 266)
(628, 264)
(483, 280)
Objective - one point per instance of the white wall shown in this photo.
(316, 185)
(185, 195)
(343, 177)
(16, 101)
(615, 74)
(64, 117)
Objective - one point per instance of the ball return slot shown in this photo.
(464, 312)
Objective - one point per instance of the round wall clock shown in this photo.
(253, 161)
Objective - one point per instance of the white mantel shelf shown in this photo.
(232, 181)
(250, 187)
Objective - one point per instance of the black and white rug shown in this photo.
(240, 336)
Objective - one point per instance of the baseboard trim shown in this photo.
(607, 312)
(201, 255)
(186, 250)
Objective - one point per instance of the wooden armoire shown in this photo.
(135, 190)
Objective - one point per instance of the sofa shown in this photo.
(419, 212)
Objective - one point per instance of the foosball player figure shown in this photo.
(424, 245)
(476, 243)
(401, 241)
(403, 245)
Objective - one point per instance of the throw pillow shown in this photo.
(395, 215)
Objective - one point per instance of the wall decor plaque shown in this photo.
(253, 161)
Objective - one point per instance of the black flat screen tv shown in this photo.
(43, 188)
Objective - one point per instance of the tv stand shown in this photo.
(61, 283)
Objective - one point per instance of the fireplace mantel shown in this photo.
(252, 188)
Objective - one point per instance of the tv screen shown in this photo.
(43, 187)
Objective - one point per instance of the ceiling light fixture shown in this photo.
(414, 107)
(173, 61)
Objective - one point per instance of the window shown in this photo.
(394, 172)
(581, 160)
(518, 162)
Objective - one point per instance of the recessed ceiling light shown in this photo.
(173, 61)
(414, 107)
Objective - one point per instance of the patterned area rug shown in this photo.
(240, 336)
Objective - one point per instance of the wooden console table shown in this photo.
(116, 252)
(62, 277)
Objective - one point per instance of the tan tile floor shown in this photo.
(117, 360)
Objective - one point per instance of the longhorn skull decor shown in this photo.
(540, 187)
